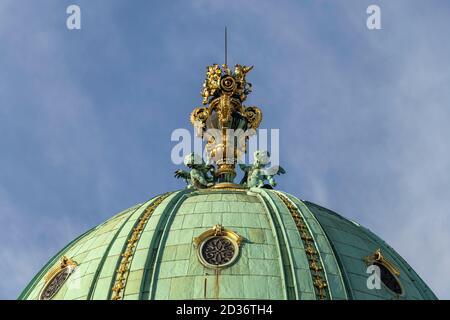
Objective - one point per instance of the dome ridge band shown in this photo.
(121, 278)
(315, 263)
(334, 269)
(149, 282)
(288, 275)
(100, 266)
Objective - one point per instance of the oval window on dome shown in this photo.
(55, 284)
(56, 278)
(388, 279)
(388, 272)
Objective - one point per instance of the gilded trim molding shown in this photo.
(217, 230)
(315, 264)
(127, 256)
(377, 256)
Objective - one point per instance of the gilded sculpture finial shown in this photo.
(222, 81)
(225, 123)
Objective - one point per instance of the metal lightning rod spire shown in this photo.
(226, 46)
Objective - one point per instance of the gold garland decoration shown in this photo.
(315, 264)
(121, 277)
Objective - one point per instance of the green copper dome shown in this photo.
(221, 240)
(226, 244)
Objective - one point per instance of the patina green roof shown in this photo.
(275, 259)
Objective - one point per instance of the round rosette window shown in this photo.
(217, 247)
(218, 252)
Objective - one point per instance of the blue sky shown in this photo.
(86, 116)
